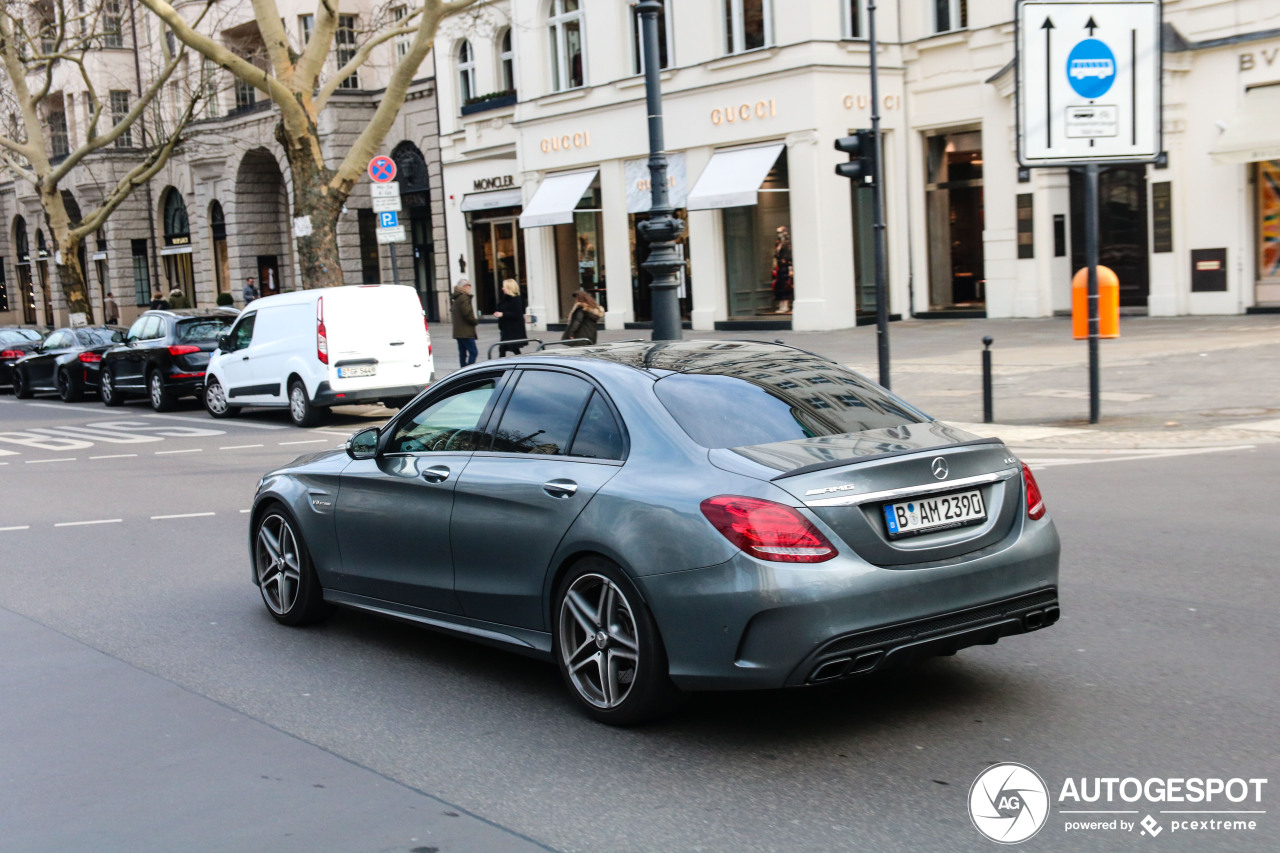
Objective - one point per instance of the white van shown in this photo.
(312, 349)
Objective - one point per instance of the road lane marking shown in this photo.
(206, 420)
(41, 461)
(241, 446)
(16, 527)
(182, 515)
(60, 407)
(116, 456)
(307, 441)
(188, 450)
(83, 523)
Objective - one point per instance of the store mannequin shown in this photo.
(783, 272)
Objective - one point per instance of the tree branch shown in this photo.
(316, 51)
(271, 28)
(362, 55)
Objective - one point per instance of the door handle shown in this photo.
(244, 358)
(560, 488)
(436, 474)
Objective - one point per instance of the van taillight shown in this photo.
(1035, 501)
(322, 337)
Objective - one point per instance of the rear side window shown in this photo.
(762, 406)
(543, 414)
(599, 436)
(98, 337)
(202, 330)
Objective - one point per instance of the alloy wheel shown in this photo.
(157, 392)
(598, 641)
(298, 403)
(106, 390)
(215, 399)
(278, 562)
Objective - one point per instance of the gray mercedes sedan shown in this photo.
(659, 517)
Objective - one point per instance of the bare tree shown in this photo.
(296, 84)
(46, 46)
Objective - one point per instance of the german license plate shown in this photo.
(357, 370)
(922, 515)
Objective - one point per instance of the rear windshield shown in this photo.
(203, 329)
(98, 337)
(804, 400)
(18, 336)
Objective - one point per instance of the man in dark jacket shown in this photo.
(464, 323)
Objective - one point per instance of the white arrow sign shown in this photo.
(1088, 81)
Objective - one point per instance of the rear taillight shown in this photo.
(767, 530)
(322, 337)
(89, 358)
(12, 353)
(426, 326)
(183, 349)
(1035, 503)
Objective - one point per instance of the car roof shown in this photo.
(193, 312)
(706, 357)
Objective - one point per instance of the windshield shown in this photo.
(804, 400)
(203, 329)
(98, 337)
(18, 336)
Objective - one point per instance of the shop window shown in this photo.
(748, 24)
(756, 237)
(4, 289)
(665, 39)
(1267, 212)
(141, 272)
(565, 30)
(370, 266)
(955, 216)
(641, 278)
(466, 72)
(950, 15)
(580, 252)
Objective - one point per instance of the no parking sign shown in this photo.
(382, 169)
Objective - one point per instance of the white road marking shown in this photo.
(116, 456)
(82, 523)
(40, 461)
(206, 420)
(188, 450)
(241, 446)
(16, 527)
(182, 515)
(308, 441)
(62, 407)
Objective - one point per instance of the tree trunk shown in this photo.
(315, 197)
(71, 275)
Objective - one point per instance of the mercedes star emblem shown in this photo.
(939, 468)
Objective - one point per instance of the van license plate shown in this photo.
(357, 370)
(922, 515)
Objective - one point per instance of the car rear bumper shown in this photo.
(747, 624)
(326, 396)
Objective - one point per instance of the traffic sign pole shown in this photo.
(1091, 259)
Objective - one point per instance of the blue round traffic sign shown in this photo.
(382, 169)
(1091, 68)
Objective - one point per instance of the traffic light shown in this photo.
(861, 148)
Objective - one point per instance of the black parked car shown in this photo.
(164, 356)
(67, 362)
(15, 344)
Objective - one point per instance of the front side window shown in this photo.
(242, 335)
(664, 40)
(565, 29)
(950, 15)
(543, 414)
(466, 71)
(345, 42)
(748, 24)
(447, 424)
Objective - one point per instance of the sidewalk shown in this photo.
(1183, 381)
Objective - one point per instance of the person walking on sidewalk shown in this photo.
(464, 323)
(250, 292)
(110, 310)
(178, 299)
(510, 314)
(584, 318)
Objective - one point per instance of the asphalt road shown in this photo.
(144, 691)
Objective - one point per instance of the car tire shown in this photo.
(21, 387)
(160, 397)
(613, 663)
(284, 572)
(107, 390)
(215, 401)
(301, 410)
(70, 390)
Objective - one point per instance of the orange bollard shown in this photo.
(1108, 303)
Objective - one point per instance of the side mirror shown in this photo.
(222, 343)
(364, 444)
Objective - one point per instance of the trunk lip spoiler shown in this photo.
(838, 463)
(913, 491)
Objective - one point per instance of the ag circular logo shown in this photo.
(1091, 68)
(1008, 803)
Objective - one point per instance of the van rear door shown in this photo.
(377, 338)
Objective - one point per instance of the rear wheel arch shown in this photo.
(568, 564)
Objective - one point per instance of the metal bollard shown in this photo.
(986, 380)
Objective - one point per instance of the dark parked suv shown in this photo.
(164, 356)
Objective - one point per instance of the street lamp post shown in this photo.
(662, 229)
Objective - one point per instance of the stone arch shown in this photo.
(259, 226)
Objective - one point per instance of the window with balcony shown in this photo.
(345, 41)
(565, 29)
(665, 40)
(120, 109)
(466, 71)
(950, 15)
(507, 62)
(748, 25)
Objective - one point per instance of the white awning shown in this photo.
(733, 178)
(175, 250)
(1254, 131)
(555, 199)
(491, 200)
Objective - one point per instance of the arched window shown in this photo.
(748, 25)
(507, 62)
(176, 223)
(665, 40)
(466, 72)
(20, 243)
(565, 28)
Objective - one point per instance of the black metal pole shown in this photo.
(662, 229)
(877, 207)
(1091, 259)
(987, 408)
